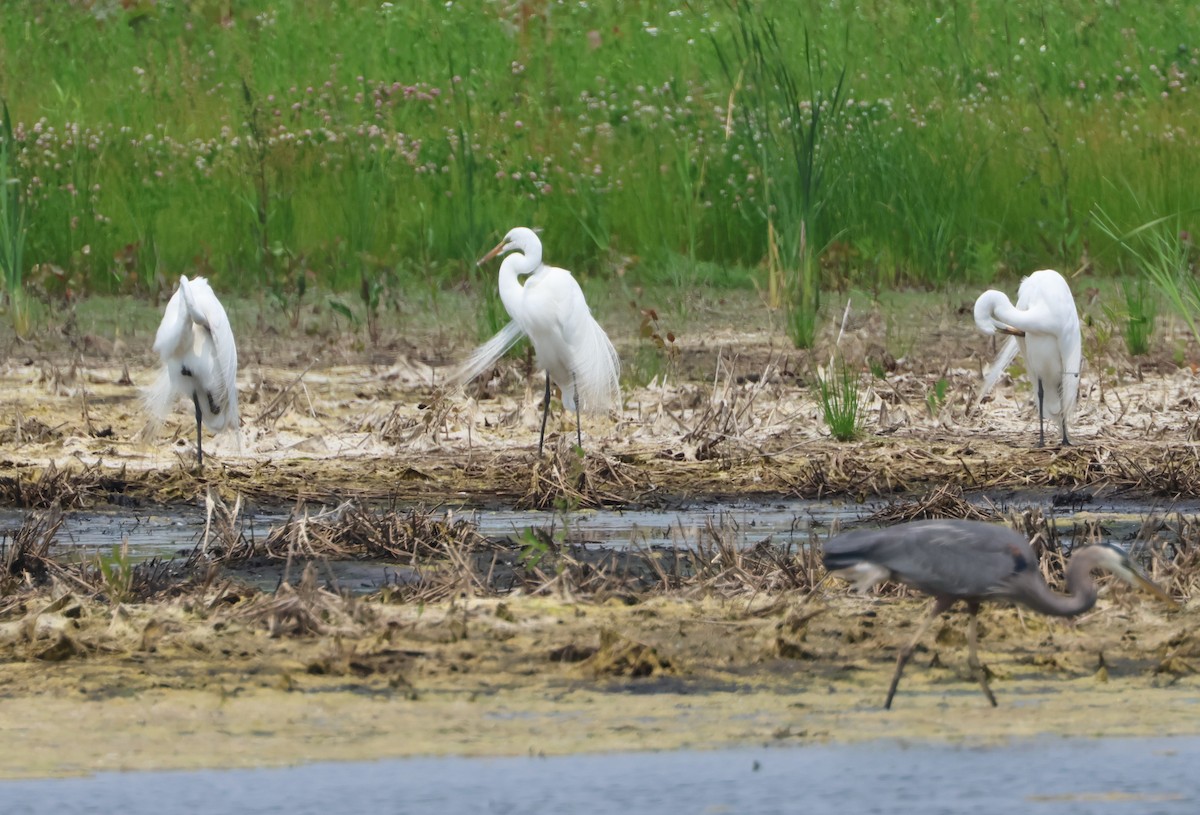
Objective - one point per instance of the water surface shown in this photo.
(1052, 776)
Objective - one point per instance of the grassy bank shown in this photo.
(366, 146)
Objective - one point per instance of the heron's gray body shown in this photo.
(966, 560)
(973, 562)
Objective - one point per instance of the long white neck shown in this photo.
(512, 267)
(994, 307)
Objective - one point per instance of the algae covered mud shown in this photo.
(333, 594)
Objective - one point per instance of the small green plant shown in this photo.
(535, 545)
(1141, 307)
(116, 571)
(937, 396)
(657, 354)
(837, 387)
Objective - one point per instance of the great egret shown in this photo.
(199, 360)
(1044, 326)
(549, 309)
(971, 561)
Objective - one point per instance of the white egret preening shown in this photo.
(549, 309)
(199, 360)
(1044, 327)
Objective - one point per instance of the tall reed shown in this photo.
(13, 227)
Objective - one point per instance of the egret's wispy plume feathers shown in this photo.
(487, 355)
(1008, 353)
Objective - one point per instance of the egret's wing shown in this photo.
(486, 355)
(174, 329)
(206, 310)
(195, 294)
(158, 399)
(597, 368)
(1008, 352)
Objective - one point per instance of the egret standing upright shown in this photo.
(1044, 326)
(549, 308)
(199, 360)
(971, 561)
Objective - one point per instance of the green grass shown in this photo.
(357, 141)
(841, 405)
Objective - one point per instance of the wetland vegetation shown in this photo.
(335, 170)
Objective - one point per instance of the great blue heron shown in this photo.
(1044, 326)
(971, 561)
(549, 309)
(199, 361)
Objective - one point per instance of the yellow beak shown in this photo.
(499, 248)
(1141, 581)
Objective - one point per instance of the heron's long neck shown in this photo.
(1081, 589)
(511, 268)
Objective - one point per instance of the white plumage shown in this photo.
(550, 309)
(1044, 327)
(199, 359)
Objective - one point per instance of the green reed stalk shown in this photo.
(13, 228)
(791, 129)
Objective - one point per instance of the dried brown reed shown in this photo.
(945, 501)
(306, 609)
(25, 552)
(727, 414)
(354, 531)
(568, 479)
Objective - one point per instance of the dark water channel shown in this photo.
(1050, 776)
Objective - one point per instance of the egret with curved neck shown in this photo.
(550, 309)
(1044, 327)
(974, 562)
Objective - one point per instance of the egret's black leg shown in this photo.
(1041, 415)
(578, 421)
(1066, 441)
(940, 605)
(199, 416)
(973, 655)
(545, 413)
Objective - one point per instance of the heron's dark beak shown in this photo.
(1008, 329)
(499, 248)
(1141, 581)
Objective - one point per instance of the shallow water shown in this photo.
(174, 531)
(1063, 777)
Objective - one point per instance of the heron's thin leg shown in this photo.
(578, 421)
(1041, 416)
(199, 448)
(973, 653)
(545, 414)
(940, 605)
(1066, 441)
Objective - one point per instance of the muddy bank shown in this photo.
(202, 682)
